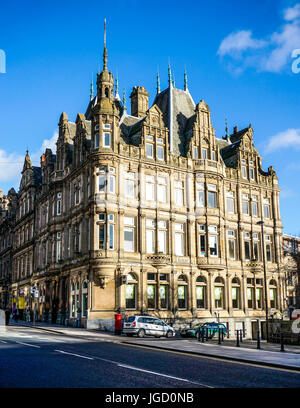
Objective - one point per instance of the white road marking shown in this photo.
(163, 375)
(73, 354)
(27, 344)
(2, 341)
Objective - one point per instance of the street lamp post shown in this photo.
(261, 223)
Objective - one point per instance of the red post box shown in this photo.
(118, 323)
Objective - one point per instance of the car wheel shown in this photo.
(141, 333)
(129, 334)
(169, 334)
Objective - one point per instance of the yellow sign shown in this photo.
(21, 302)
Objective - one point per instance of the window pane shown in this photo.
(129, 188)
(149, 150)
(150, 241)
(212, 199)
(178, 196)
(161, 193)
(111, 236)
(112, 183)
(106, 139)
(130, 296)
(202, 245)
(160, 152)
(254, 209)
(201, 198)
(149, 191)
(200, 297)
(230, 205)
(231, 249)
(179, 244)
(162, 241)
(213, 245)
(181, 297)
(129, 239)
(247, 250)
(245, 207)
(163, 296)
(151, 296)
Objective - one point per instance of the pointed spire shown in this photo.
(92, 89)
(173, 80)
(27, 161)
(117, 86)
(124, 100)
(185, 80)
(157, 82)
(169, 74)
(226, 137)
(105, 50)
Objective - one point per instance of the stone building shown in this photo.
(8, 205)
(291, 268)
(148, 212)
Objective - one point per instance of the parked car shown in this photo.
(212, 327)
(147, 325)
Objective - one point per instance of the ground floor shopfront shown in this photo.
(90, 296)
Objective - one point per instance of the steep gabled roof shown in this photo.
(177, 107)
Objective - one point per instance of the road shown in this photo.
(35, 358)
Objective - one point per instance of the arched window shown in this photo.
(219, 293)
(273, 294)
(106, 92)
(130, 291)
(182, 292)
(201, 292)
(84, 298)
(236, 293)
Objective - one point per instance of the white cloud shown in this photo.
(270, 54)
(292, 13)
(240, 41)
(285, 139)
(11, 164)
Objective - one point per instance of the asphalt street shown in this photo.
(35, 358)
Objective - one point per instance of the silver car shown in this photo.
(147, 325)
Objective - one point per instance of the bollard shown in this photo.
(219, 342)
(206, 333)
(258, 339)
(222, 334)
(237, 338)
(281, 342)
(241, 334)
(202, 335)
(198, 335)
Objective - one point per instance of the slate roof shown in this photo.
(229, 152)
(177, 107)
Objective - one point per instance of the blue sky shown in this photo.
(237, 54)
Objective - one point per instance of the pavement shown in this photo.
(269, 354)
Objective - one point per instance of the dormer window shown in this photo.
(149, 150)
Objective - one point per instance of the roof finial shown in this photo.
(185, 79)
(226, 130)
(169, 74)
(117, 85)
(105, 50)
(124, 100)
(92, 89)
(157, 82)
